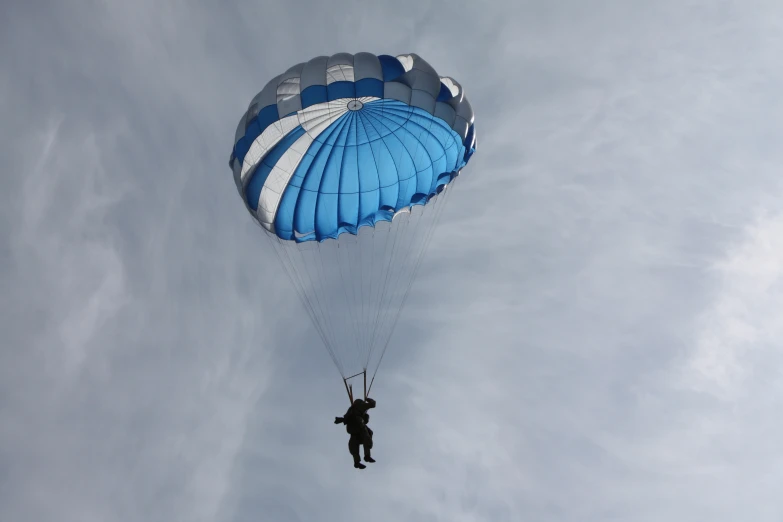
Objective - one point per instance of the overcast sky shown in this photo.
(596, 330)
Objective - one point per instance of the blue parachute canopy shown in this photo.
(342, 142)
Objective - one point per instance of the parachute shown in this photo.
(346, 163)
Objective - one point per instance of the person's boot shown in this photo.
(357, 463)
(367, 457)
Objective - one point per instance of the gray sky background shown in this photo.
(595, 335)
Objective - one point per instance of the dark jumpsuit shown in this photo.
(355, 420)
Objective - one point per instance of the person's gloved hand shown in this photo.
(338, 420)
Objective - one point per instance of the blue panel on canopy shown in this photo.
(391, 66)
(339, 90)
(314, 94)
(258, 177)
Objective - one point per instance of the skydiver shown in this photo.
(356, 420)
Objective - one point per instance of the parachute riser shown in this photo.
(349, 387)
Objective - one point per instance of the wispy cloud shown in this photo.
(593, 335)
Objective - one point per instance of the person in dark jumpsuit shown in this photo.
(356, 420)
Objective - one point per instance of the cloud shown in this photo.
(592, 335)
(741, 330)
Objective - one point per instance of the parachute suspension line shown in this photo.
(416, 215)
(347, 323)
(318, 284)
(399, 256)
(403, 252)
(385, 338)
(358, 304)
(350, 393)
(321, 293)
(394, 263)
(380, 255)
(349, 307)
(312, 300)
(300, 249)
(387, 259)
(290, 269)
(364, 298)
(362, 295)
(349, 387)
(295, 278)
(368, 268)
(348, 390)
(397, 230)
(386, 326)
(441, 204)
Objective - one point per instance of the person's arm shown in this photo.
(339, 420)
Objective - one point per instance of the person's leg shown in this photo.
(353, 447)
(368, 447)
